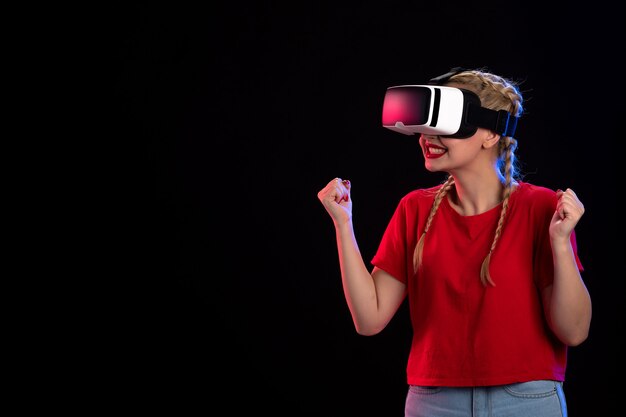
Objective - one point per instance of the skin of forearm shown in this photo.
(570, 304)
(358, 284)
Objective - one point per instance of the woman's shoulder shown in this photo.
(420, 196)
(422, 193)
(534, 189)
(535, 194)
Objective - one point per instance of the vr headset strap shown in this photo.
(499, 121)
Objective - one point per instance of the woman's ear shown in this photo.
(491, 139)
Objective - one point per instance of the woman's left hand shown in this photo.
(568, 212)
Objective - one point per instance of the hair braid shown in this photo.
(509, 147)
(419, 248)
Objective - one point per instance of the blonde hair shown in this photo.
(496, 93)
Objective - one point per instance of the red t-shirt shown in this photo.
(466, 334)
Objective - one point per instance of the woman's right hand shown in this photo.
(336, 200)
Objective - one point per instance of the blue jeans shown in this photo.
(534, 398)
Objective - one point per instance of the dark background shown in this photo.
(232, 117)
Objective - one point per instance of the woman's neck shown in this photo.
(476, 196)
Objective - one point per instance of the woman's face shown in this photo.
(451, 155)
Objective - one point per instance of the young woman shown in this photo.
(490, 268)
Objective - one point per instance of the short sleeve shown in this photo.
(543, 260)
(391, 254)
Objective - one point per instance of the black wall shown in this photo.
(237, 114)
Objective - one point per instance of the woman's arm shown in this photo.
(373, 298)
(567, 303)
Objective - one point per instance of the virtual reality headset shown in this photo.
(441, 111)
